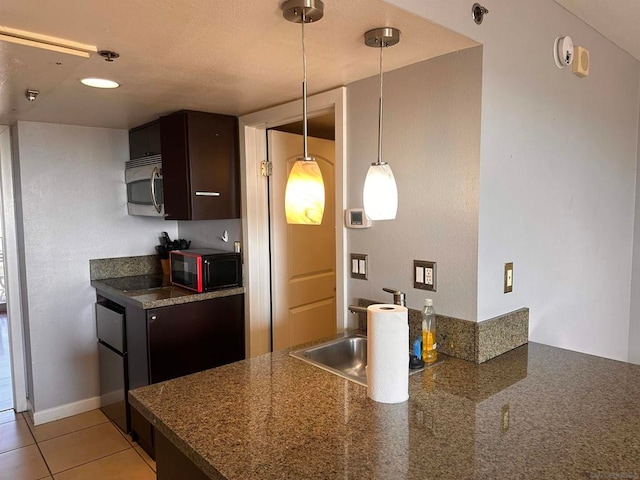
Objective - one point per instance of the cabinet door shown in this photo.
(195, 336)
(200, 164)
(175, 167)
(214, 166)
(144, 140)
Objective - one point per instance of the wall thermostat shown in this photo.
(356, 218)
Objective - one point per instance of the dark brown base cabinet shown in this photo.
(172, 464)
(169, 342)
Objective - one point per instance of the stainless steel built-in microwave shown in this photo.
(144, 186)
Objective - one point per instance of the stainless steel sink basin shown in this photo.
(345, 357)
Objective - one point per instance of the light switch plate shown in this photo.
(424, 275)
(359, 267)
(508, 277)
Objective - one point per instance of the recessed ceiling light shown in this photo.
(99, 83)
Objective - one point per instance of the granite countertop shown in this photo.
(535, 412)
(153, 291)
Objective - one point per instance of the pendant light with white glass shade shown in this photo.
(380, 194)
(304, 194)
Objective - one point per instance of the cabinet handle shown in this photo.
(207, 194)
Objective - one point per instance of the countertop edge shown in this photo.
(189, 297)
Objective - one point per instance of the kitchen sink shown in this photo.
(345, 357)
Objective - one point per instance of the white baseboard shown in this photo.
(63, 411)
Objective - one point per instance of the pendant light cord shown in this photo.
(304, 90)
(380, 162)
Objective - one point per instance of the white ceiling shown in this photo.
(224, 56)
(618, 20)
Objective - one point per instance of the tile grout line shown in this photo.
(63, 434)
(39, 450)
(37, 443)
(44, 460)
(94, 460)
(22, 446)
(130, 445)
(144, 459)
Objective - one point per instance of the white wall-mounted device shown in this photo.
(356, 218)
(563, 51)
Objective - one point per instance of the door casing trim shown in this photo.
(255, 213)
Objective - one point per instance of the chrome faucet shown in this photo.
(398, 299)
(398, 296)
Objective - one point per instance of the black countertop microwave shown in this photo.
(206, 269)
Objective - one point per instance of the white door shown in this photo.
(303, 256)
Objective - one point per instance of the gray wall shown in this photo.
(208, 233)
(73, 197)
(557, 173)
(432, 142)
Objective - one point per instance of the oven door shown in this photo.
(144, 190)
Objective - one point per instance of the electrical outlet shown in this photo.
(359, 266)
(428, 276)
(508, 277)
(424, 275)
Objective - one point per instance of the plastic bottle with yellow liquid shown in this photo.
(429, 342)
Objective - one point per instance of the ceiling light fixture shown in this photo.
(108, 55)
(99, 83)
(380, 194)
(304, 194)
(46, 42)
(31, 94)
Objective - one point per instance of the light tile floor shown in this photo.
(85, 446)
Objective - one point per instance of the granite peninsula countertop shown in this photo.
(537, 412)
(153, 291)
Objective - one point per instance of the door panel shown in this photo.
(303, 256)
(309, 322)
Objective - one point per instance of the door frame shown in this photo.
(255, 211)
(12, 273)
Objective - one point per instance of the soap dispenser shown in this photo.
(429, 344)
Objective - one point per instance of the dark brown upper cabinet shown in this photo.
(200, 166)
(144, 141)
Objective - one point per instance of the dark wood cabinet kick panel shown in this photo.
(200, 166)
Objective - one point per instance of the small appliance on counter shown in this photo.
(206, 269)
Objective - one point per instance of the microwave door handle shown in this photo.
(155, 173)
(205, 273)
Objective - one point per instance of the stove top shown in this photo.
(138, 282)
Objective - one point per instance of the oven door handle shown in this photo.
(155, 173)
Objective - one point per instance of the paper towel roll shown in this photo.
(387, 353)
